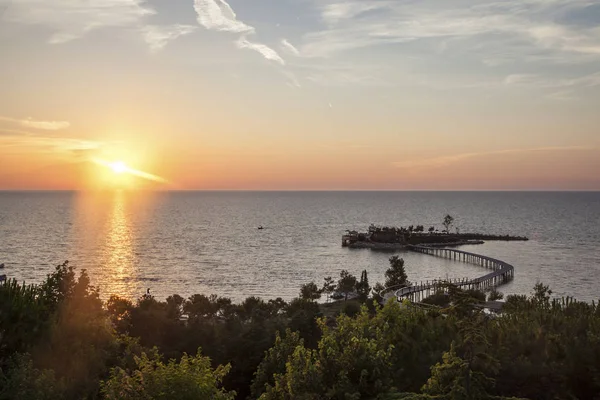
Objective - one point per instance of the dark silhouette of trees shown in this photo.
(328, 287)
(448, 221)
(495, 295)
(58, 340)
(310, 291)
(362, 287)
(346, 284)
(395, 276)
(378, 292)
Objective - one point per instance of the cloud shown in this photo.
(218, 15)
(48, 125)
(535, 80)
(70, 20)
(339, 74)
(292, 80)
(14, 132)
(266, 51)
(591, 80)
(352, 78)
(443, 161)
(31, 123)
(523, 24)
(515, 79)
(158, 37)
(334, 12)
(287, 46)
(563, 95)
(50, 145)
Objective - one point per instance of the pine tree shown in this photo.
(362, 287)
(396, 274)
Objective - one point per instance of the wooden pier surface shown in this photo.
(501, 272)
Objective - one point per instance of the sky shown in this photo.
(300, 94)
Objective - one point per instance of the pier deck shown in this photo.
(501, 272)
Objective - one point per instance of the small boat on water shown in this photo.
(260, 228)
(1, 265)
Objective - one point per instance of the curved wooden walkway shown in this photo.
(502, 272)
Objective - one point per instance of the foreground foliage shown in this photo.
(58, 340)
(191, 378)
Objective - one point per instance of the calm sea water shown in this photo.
(208, 242)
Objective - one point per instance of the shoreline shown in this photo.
(400, 246)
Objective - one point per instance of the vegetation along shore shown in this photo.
(399, 238)
(58, 340)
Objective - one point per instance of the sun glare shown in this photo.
(122, 175)
(118, 167)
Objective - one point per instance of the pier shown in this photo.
(501, 272)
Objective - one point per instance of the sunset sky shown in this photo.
(300, 94)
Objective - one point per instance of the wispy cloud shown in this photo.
(563, 95)
(334, 12)
(158, 36)
(50, 145)
(292, 80)
(264, 50)
(32, 123)
(219, 16)
(70, 20)
(14, 132)
(534, 80)
(437, 162)
(528, 24)
(289, 48)
(516, 79)
(344, 74)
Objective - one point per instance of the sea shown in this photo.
(209, 242)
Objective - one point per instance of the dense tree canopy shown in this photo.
(58, 340)
(191, 378)
(310, 291)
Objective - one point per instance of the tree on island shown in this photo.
(448, 221)
(346, 284)
(396, 275)
(310, 291)
(431, 229)
(328, 287)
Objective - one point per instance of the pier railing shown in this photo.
(501, 272)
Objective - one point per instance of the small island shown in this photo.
(398, 238)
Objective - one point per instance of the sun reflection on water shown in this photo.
(109, 233)
(118, 251)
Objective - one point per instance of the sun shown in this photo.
(121, 174)
(118, 167)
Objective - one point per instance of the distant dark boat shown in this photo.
(260, 227)
(1, 265)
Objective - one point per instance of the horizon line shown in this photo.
(308, 190)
